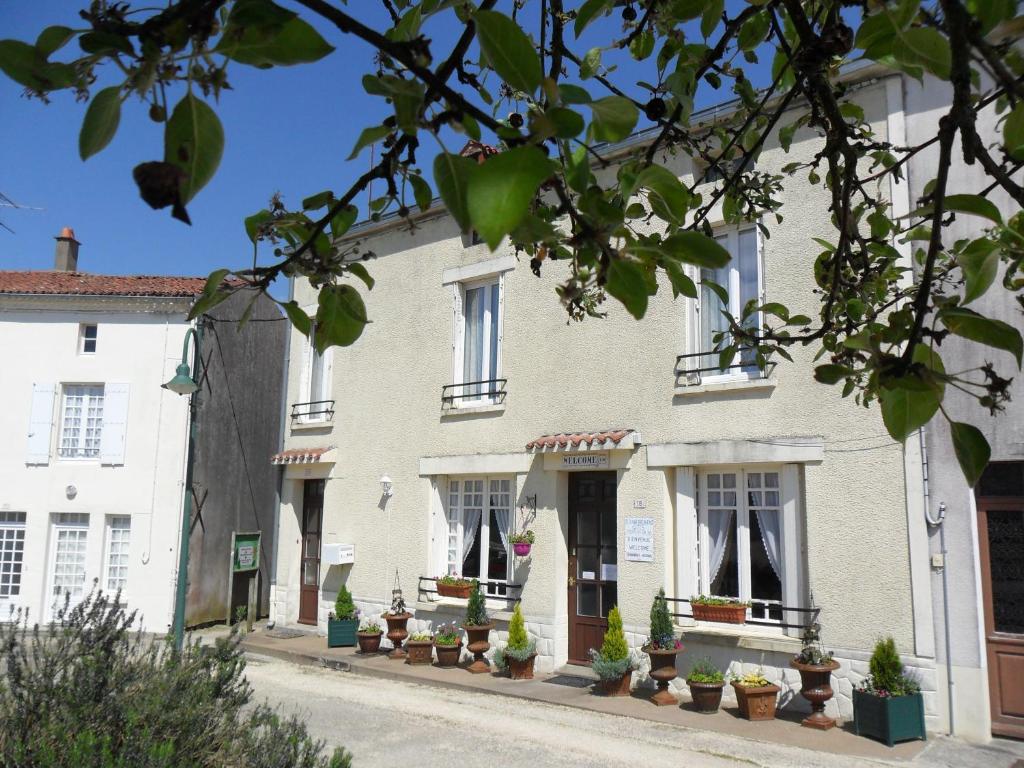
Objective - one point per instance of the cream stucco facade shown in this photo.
(849, 495)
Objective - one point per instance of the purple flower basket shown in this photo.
(521, 548)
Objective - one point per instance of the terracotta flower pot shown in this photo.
(397, 633)
(448, 655)
(419, 651)
(521, 548)
(816, 687)
(724, 614)
(707, 697)
(454, 590)
(619, 686)
(663, 671)
(757, 703)
(520, 670)
(477, 643)
(369, 642)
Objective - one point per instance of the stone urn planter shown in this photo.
(419, 651)
(397, 633)
(448, 655)
(757, 702)
(663, 671)
(520, 670)
(369, 642)
(619, 686)
(478, 644)
(815, 686)
(707, 697)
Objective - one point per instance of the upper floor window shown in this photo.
(478, 343)
(87, 339)
(479, 523)
(81, 421)
(316, 404)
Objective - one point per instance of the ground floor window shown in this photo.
(67, 558)
(12, 553)
(119, 531)
(479, 521)
(741, 544)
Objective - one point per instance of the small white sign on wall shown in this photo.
(584, 460)
(640, 539)
(639, 503)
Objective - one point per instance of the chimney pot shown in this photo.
(66, 257)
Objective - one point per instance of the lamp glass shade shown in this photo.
(182, 383)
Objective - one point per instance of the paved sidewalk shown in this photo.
(565, 691)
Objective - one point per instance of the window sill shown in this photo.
(741, 636)
(450, 411)
(733, 385)
(443, 605)
(300, 425)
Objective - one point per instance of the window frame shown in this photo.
(483, 533)
(459, 339)
(695, 314)
(108, 537)
(326, 376)
(12, 526)
(59, 523)
(79, 449)
(83, 338)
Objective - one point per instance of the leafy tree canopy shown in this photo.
(881, 320)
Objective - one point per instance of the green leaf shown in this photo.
(928, 47)
(509, 50)
(588, 12)
(669, 199)
(212, 295)
(1013, 132)
(273, 41)
(591, 63)
(451, 175)
(681, 282)
(979, 262)
(905, 410)
(712, 17)
(193, 141)
(642, 45)
(831, 373)
(501, 189)
(100, 122)
(25, 65)
(628, 282)
(567, 123)
(319, 200)
(972, 450)
(342, 220)
(614, 118)
(974, 204)
(573, 94)
(753, 31)
(369, 136)
(106, 43)
(421, 191)
(298, 318)
(254, 222)
(340, 317)
(357, 269)
(698, 249)
(53, 39)
(993, 333)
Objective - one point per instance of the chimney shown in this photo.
(66, 259)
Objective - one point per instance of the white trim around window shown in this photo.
(480, 515)
(478, 327)
(12, 557)
(68, 560)
(115, 556)
(315, 385)
(81, 429)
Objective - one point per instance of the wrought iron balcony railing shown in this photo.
(315, 410)
(693, 368)
(489, 390)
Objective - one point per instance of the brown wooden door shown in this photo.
(309, 570)
(593, 560)
(1001, 542)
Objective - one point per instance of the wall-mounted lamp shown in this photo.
(386, 486)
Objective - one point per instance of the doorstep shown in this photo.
(558, 689)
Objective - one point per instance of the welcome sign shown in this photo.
(584, 460)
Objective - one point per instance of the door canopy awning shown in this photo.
(623, 439)
(304, 456)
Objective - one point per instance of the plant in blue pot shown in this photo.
(343, 622)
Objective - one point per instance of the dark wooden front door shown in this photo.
(592, 560)
(309, 569)
(1001, 541)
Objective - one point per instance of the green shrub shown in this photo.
(517, 638)
(614, 647)
(704, 671)
(476, 611)
(662, 632)
(344, 608)
(88, 691)
(887, 677)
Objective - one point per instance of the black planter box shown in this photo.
(341, 632)
(888, 719)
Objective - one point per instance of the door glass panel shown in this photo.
(587, 599)
(497, 557)
(309, 573)
(608, 555)
(586, 557)
(725, 581)
(312, 546)
(609, 598)
(608, 525)
(587, 527)
(1006, 565)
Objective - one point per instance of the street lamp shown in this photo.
(184, 383)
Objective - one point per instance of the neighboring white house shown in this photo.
(92, 461)
(635, 462)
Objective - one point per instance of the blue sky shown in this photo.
(287, 129)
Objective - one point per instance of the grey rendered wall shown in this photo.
(238, 431)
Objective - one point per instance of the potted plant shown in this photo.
(705, 682)
(397, 617)
(888, 705)
(756, 696)
(662, 646)
(522, 542)
(520, 651)
(454, 586)
(815, 666)
(613, 663)
(725, 610)
(343, 621)
(419, 648)
(448, 644)
(478, 628)
(369, 637)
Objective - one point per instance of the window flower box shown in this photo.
(721, 610)
(454, 586)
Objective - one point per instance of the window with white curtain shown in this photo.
(479, 522)
(741, 545)
(742, 279)
(12, 553)
(119, 532)
(478, 343)
(81, 421)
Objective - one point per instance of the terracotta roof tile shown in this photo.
(300, 455)
(583, 440)
(86, 284)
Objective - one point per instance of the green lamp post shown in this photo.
(184, 383)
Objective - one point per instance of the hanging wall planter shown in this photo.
(720, 609)
(522, 543)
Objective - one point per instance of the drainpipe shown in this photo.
(281, 429)
(938, 522)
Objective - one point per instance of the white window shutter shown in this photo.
(40, 423)
(115, 423)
